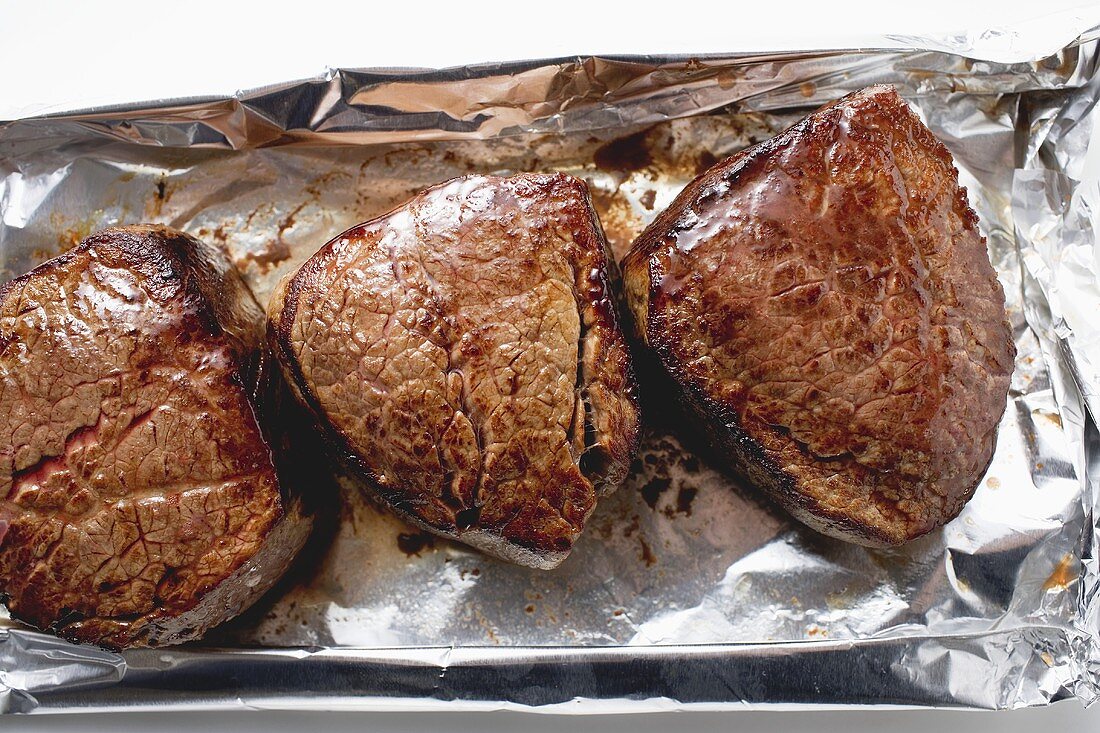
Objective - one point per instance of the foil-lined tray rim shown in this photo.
(890, 43)
(432, 659)
(537, 679)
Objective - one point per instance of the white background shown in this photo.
(57, 55)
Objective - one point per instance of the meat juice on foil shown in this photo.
(687, 589)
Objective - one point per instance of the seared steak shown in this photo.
(827, 305)
(139, 504)
(463, 355)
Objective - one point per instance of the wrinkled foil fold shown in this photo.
(688, 590)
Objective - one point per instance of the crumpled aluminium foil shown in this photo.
(687, 589)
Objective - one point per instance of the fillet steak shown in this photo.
(139, 502)
(464, 357)
(826, 303)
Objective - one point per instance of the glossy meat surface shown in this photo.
(826, 301)
(463, 355)
(139, 503)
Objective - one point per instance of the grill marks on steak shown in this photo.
(137, 491)
(826, 301)
(464, 355)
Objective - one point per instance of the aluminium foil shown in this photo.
(688, 589)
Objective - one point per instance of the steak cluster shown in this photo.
(139, 502)
(463, 355)
(826, 303)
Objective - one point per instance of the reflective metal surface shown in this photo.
(687, 588)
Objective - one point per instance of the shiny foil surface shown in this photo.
(688, 590)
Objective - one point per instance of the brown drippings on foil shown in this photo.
(652, 491)
(413, 543)
(684, 497)
(647, 553)
(993, 482)
(472, 573)
(629, 174)
(276, 252)
(486, 626)
(1065, 572)
(620, 224)
(705, 162)
(287, 221)
(655, 463)
(70, 236)
(634, 526)
(154, 206)
(1053, 417)
(216, 235)
(630, 153)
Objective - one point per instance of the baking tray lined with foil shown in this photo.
(687, 588)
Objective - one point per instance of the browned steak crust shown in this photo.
(827, 304)
(463, 355)
(139, 504)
